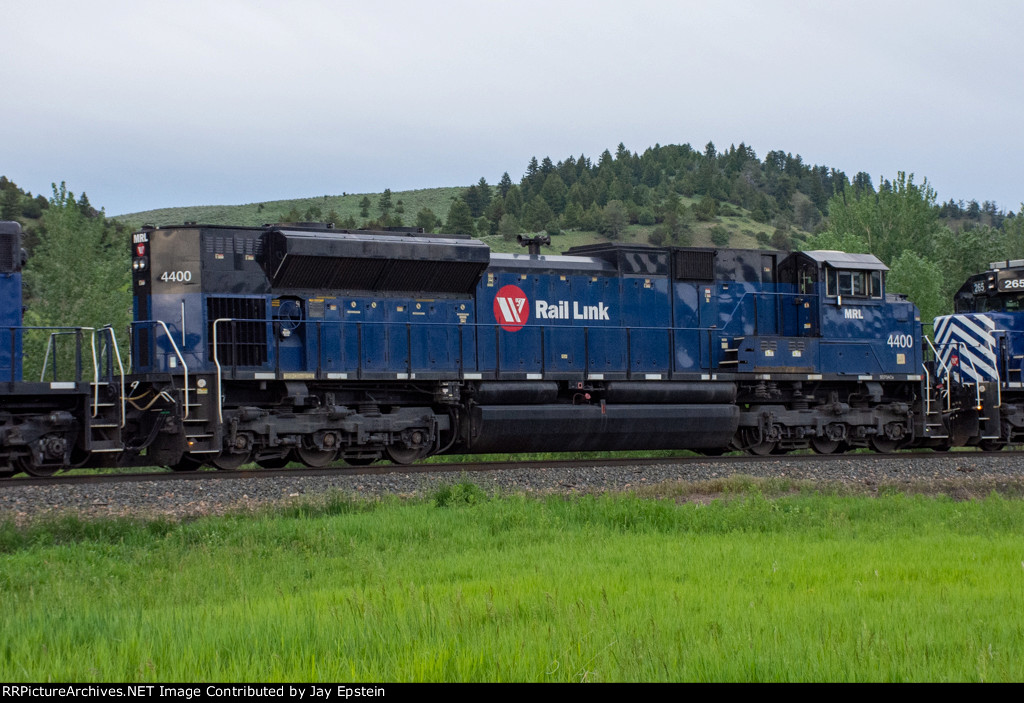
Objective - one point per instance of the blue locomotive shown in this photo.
(72, 414)
(980, 355)
(296, 342)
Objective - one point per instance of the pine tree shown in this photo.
(384, 204)
(505, 184)
(460, 219)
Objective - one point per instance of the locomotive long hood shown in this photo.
(377, 262)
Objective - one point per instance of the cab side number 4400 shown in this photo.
(901, 341)
(176, 276)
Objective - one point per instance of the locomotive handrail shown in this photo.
(935, 353)
(755, 295)
(95, 367)
(315, 362)
(96, 381)
(60, 331)
(928, 392)
(46, 359)
(945, 367)
(216, 362)
(670, 335)
(977, 375)
(177, 353)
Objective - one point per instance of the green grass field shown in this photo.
(800, 587)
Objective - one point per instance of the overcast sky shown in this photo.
(155, 104)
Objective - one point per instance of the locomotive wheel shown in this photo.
(29, 467)
(762, 449)
(229, 462)
(883, 445)
(316, 458)
(405, 455)
(752, 443)
(823, 445)
(991, 445)
(273, 462)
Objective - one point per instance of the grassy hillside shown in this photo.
(254, 214)
(741, 229)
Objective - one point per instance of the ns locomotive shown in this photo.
(305, 343)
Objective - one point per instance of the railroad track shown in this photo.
(178, 496)
(383, 468)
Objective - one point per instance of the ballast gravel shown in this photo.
(960, 474)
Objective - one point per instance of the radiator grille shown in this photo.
(244, 341)
(10, 248)
(695, 265)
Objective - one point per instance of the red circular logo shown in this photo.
(511, 308)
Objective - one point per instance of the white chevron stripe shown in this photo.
(988, 370)
(967, 324)
(966, 337)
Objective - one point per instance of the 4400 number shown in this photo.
(901, 341)
(176, 276)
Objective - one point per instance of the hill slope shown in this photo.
(254, 214)
(742, 231)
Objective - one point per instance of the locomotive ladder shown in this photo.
(200, 437)
(107, 397)
(934, 406)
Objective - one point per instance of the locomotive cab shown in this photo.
(1001, 289)
(980, 354)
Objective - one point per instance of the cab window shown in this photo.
(852, 283)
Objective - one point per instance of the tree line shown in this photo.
(930, 254)
(931, 248)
